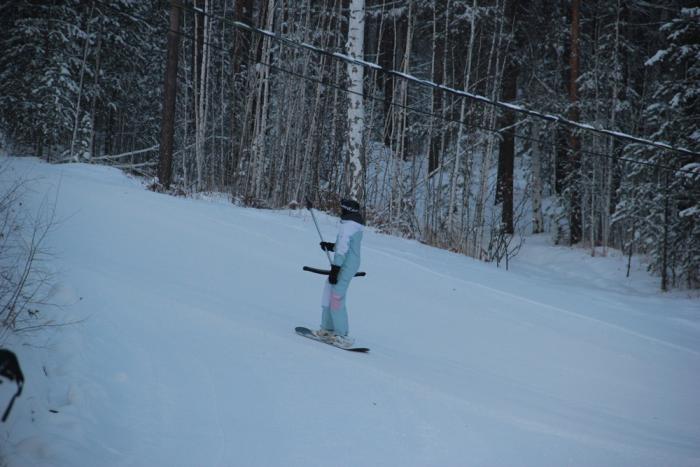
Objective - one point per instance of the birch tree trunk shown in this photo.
(437, 69)
(255, 181)
(464, 227)
(398, 125)
(402, 120)
(221, 169)
(240, 50)
(386, 53)
(202, 97)
(431, 200)
(460, 130)
(610, 162)
(479, 212)
(356, 110)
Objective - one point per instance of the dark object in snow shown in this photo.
(9, 368)
(325, 272)
(306, 332)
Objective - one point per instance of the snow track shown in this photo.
(186, 353)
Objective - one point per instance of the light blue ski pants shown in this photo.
(334, 316)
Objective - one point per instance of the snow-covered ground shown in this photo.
(184, 353)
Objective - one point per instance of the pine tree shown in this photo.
(40, 62)
(663, 205)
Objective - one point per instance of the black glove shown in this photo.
(333, 275)
(327, 246)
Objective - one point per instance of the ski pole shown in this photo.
(310, 208)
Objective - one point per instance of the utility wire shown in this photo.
(405, 76)
(390, 102)
(447, 119)
(474, 126)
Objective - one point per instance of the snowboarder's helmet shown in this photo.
(349, 206)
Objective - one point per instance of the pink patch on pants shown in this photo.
(336, 301)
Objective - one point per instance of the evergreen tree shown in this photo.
(41, 58)
(663, 205)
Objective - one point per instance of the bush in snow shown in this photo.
(22, 280)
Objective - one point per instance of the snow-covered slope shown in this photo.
(185, 355)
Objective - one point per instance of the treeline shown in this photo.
(270, 122)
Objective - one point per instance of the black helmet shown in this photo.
(349, 205)
(350, 211)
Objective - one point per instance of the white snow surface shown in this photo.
(184, 352)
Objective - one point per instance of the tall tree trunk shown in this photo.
(664, 241)
(356, 110)
(80, 85)
(201, 85)
(575, 229)
(493, 67)
(240, 55)
(167, 127)
(93, 105)
(261, 107)
(610, 162)
(460, 132)
(387, 45)
(436, 96)
(506, 151)
(536, 180)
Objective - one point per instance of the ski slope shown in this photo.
(182, 351)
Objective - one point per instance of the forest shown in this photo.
(464, 124)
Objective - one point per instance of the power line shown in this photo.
(491, 130)
(443, 118)
(405, 107)
(504, 105)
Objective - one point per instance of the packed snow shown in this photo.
(179, 349)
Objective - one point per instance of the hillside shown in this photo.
(182, 350)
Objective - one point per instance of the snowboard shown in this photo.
(306, 332)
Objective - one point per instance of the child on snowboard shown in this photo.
(346, 262)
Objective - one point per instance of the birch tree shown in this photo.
(461, 132)
(356, 109)
(202, 56)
